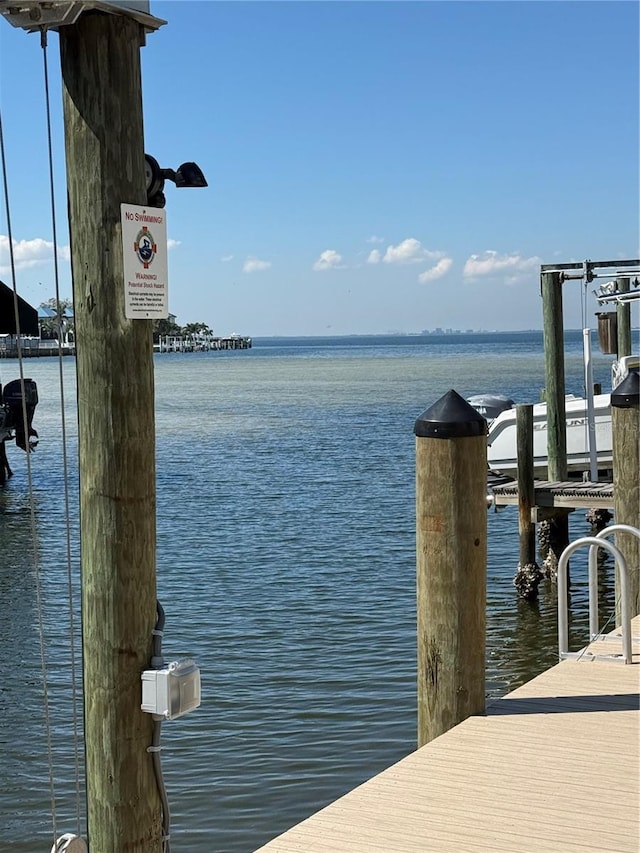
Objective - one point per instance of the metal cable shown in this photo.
(34, 530)
(157, 662)
(65, 469)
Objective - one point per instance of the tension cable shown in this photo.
(34, 531)
(65, 468)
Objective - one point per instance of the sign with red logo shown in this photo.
(144, 251)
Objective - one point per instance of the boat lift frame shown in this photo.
(587, 271)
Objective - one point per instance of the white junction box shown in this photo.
(171, 691)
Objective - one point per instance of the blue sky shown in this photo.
(372, 166)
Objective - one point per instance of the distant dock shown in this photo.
(33, 348)
(201, 343)
(554, 765)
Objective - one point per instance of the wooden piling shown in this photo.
(553, 336)
(623, 312)
(451, 546)
(528, 574)
(625, 425)
(105, 167)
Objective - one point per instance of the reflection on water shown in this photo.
(286, 566)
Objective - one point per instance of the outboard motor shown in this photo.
(4, 420)
(13, 410)
(490, 405)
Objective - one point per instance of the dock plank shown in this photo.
(570, 494)
(553, 766)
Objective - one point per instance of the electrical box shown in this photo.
(136, 5)
(30, 15)
(171, 691)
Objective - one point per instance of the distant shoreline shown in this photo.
(432, 334)
(425, 334)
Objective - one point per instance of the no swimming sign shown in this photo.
(144, 252)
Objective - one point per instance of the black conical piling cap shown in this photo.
(450, 417)
(627, 393)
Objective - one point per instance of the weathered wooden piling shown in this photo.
(105, 167)
(623, 312)
(553, 336)
(451, 546)
(625, 425)
(528, 574)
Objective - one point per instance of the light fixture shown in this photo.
(626, 395)
(186, 175)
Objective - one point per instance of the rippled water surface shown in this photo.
(286, 566)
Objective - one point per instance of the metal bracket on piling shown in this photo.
(33, 15)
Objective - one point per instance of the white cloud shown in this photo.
(442, 267)
(172, 244)
(255, 265)
(409, 251)
(29, 253)
(491, 262)
(374, 239)
(329, 259)
(226, 259)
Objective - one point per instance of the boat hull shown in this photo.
(502, 443)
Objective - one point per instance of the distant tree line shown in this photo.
(63, 312)
(164, 327)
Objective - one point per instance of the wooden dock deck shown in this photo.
(553, 767)
(567, 495)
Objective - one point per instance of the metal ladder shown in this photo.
(595, 542)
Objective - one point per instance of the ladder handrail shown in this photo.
(594, 629)
(563, 629)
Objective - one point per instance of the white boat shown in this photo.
(582, 431)
(501, 440)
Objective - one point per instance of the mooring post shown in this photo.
(623, 312)
(451, 560)
(105, 167)
(553, 336)
(528, 574)
(625, 425)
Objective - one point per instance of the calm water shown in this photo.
(286, 565)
